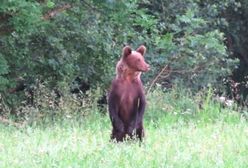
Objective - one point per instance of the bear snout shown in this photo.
(146, 68)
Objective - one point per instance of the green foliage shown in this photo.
(47, 106)
(181, 105)
(193, 47)
(25, 15)
(56, 41)
(4, 69)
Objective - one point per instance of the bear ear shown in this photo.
(141, 50)
(126, 51)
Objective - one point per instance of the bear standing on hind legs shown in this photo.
(126, 99)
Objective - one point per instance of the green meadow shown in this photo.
(177, 135)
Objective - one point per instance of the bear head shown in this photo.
(135, 59)
(132, 62)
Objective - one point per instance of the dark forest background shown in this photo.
(55, 52)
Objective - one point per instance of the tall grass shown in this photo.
(182, 130)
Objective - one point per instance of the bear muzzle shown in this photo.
(146, 68)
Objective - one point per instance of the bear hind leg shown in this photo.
(117, 136)
(140, 132)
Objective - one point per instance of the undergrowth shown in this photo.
(182, 130)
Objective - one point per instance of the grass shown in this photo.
(218, 144)
(176, 136)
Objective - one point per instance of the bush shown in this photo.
(180, 105)
(63, 40)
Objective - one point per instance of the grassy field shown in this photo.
(210, 138)
(86, 144)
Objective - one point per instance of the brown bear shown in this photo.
(126, 100)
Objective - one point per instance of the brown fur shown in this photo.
(126, 98)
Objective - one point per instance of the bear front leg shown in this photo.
(117, 123)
